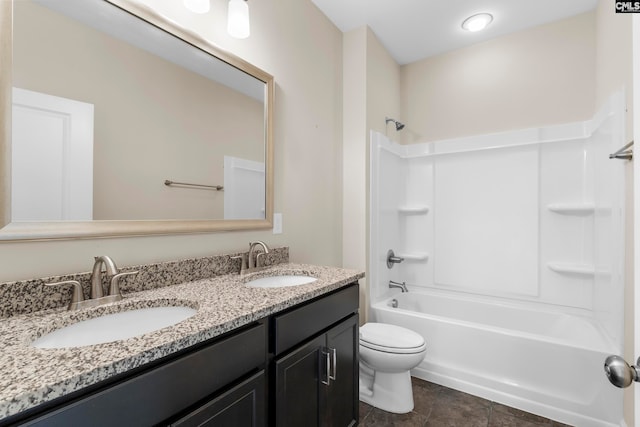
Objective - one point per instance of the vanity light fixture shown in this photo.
(197, 6)
(237, 15)
(238, 19)
(477, 22)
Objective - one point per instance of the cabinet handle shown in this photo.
(327, 366)
(334, 357)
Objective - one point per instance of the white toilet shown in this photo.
(387, 353)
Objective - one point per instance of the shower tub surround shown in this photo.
(31, 376)
(520, 236)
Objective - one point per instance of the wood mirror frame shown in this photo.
(93, 229)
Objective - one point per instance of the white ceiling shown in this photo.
(415, 29)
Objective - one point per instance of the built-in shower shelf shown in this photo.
(413, 210)
(572, 208)
(414, 256)
(571, 268)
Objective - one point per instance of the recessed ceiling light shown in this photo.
(477, 22)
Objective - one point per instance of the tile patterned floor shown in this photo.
(438, 406)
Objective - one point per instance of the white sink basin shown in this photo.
(114, 327)
(280, 281)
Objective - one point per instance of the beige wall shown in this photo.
(293, 41)
(383, 89)
(540, 76)
(148, 111)
(354, 149)
(371, 93)
(614, 68)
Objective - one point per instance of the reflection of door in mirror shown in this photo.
(243, 188)
(52, 158)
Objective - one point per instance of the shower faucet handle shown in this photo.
(393, 259)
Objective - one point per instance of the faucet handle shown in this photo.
(76, 297)
(114, 287)
(243, 262)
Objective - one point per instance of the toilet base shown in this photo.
(390, 392)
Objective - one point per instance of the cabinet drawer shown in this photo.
(303, 322)
(242, 406)
(155, 395)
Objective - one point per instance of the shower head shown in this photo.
(399, 126)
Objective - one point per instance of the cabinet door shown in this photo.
(158, 394)
(242, 406)
(340, 397)
(297, 386)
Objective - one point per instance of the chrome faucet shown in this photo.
(249, 263)
(402, 286)
(97, 296)
(256, 264)
(97, 291)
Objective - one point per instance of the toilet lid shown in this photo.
(390, 338)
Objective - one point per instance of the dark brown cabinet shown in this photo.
(243, 405)
(340, 407)
(157, 394)
(315, 383)
(297, 379)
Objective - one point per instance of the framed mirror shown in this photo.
(118, 122)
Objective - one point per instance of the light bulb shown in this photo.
(477, 22)
(238, 19)
(197, 6)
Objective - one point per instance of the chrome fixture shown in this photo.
(399, 126)
(97, 291)
(619, 372)
(254, 264)
(477, 22)
(243, 262)
(331, 359)
(249, 263)
(394, 303)
(114, 285)
(76, 298)
(97, 296)
(625, 153)
(402, 286)
(393, 259)
(170, 183)
(238, 24)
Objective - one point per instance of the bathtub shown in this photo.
(539, 361)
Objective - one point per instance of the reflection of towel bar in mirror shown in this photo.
(169, 183)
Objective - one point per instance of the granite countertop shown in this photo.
(30, 376)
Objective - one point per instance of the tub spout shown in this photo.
(402, 286)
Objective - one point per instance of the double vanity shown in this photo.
(277, 346)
